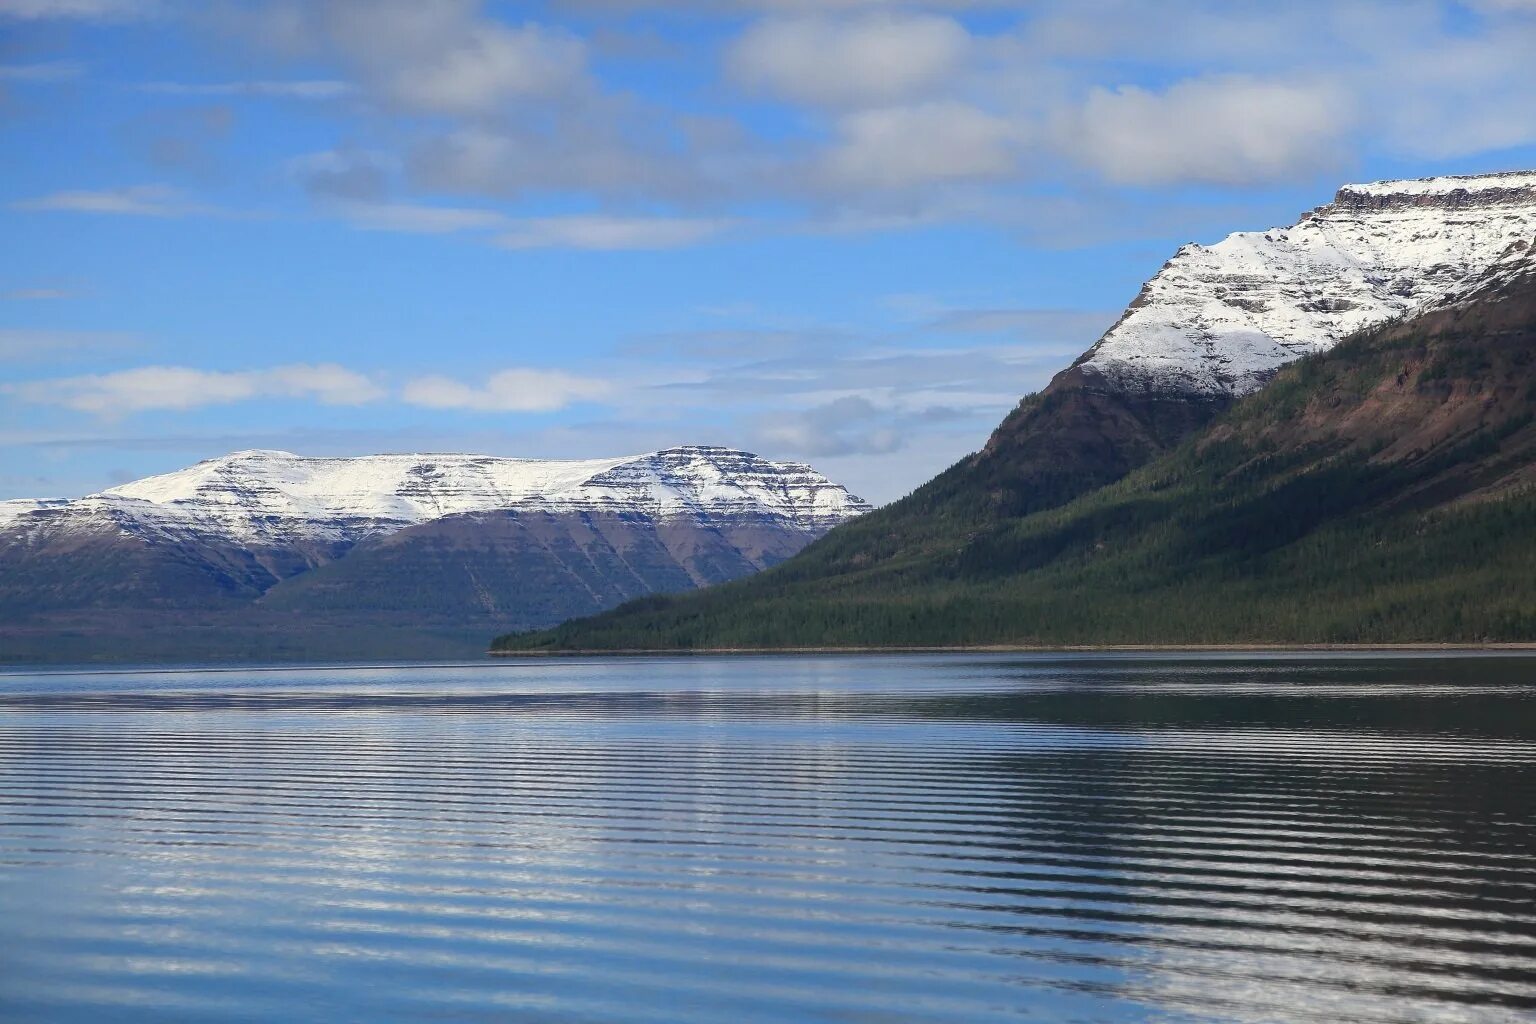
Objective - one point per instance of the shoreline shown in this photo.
(1519, 645)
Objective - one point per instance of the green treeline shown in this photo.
(1379, 493)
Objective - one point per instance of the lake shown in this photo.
(962, 838)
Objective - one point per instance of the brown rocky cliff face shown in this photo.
(1450, 395)
(1457, 199)
(1078, 435)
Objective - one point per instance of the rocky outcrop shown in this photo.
(1451, 192)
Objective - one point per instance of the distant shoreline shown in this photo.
(1025, 649)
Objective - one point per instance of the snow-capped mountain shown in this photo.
(263, 553)
(264, 497)
(1220, 319)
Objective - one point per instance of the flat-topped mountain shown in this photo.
(263, 495)
(1218, 321)
(454, 539)
(1221, 319)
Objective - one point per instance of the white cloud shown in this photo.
(83, 10)
(905, 147)
(724, 344)
(180, 387)
(485, 105)
(1228, 129)
(1076, 325)
(316, 89)
(418, 219)
(981, 379)
(922, 117)
(135, 201)
(875, 58)
(1506, 6)
(598, 232)
(850, 425)
(50, 71)
(443, 57)
(515, 390)
(1462, 97)
(732, 7)
(597, 147)
(348, 173)
(490, 65)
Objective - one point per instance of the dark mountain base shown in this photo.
(1379, 493)
(240, 636)
(1448, 578)
(534, 567)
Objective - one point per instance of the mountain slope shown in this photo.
(422, 555)
(1217, 321)
(1212, 325)
(1221, 319)
(1378, 492)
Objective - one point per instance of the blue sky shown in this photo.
(851, 232)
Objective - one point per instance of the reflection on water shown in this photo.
(775, 839)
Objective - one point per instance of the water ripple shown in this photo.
(808, 839)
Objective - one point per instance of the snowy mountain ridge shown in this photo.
(278, 497)
(1220, 319)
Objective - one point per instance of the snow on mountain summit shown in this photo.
(390, 488)
(718, 480)
(1220, 319)
(1473, 185)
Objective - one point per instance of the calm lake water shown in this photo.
(851, 839)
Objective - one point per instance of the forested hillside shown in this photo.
(1381, 492)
